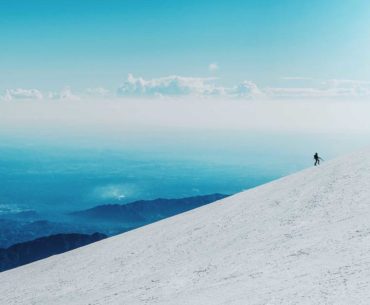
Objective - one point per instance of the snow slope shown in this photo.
(303, 239)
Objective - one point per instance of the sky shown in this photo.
(81, 44)
(231, 51)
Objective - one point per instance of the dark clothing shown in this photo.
(317, 159)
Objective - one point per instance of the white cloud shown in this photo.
(168, 86)
(98, 91)
(213, 67)
(330, 89)
(65, 94)
(348, 87)
(35, 94)
(185, 86)
(246, 89)
(346, 83)
(22, 94)
(296, 93)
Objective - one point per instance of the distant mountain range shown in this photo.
(27, 252)
(14, 231)
(61, 237)
(108, 219)
(143, 212)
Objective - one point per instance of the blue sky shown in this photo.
(51, 44)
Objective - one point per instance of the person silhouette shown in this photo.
(317, 159)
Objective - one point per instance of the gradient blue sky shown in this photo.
(48, 44)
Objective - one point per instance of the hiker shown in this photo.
(317, 159)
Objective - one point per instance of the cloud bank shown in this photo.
(176, 86)
(21, 94)
(35, 94)
(168, 86)
(109, 117)
(65, 94)
(188, 103)
(185, 86)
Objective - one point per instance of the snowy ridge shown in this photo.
(302, 239)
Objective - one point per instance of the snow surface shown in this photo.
(302, 239)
